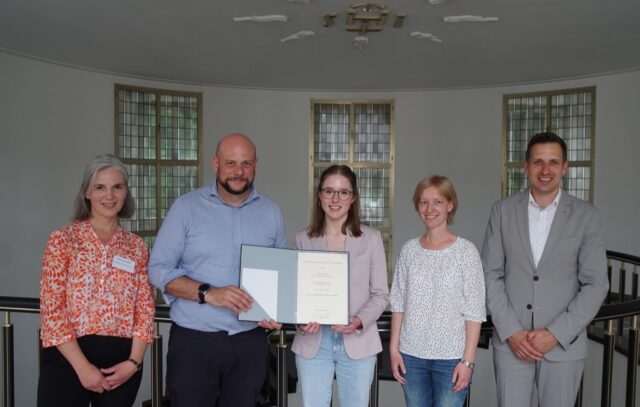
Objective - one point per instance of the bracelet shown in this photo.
(137, 364)
(468, 364)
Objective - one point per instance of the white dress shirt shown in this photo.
(540, 220)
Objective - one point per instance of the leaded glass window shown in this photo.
(568, 113)
(361, 135)
(158, 135)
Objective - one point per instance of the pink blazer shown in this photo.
(368, 293)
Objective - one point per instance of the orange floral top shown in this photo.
(88, 287)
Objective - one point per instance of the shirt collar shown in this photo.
(555, 202)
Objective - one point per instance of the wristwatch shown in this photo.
(468, 364)
(137, 364)
(202, 290)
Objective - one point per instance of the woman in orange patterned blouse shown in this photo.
(96, 303)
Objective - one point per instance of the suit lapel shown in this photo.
(522, 219)
(557, 226)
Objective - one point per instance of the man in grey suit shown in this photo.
(545, 270)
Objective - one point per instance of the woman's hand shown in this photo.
(310, 328)
(269, 324)
(119, 373)
(397, 366)
(92, 379)
(354, 324)
(461, 377)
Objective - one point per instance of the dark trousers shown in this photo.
(205, 367)
(59, 385)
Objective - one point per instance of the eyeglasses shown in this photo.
(329, 193)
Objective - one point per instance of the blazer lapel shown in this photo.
(557, 226)
(522, 219)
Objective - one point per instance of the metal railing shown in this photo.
(616, 326)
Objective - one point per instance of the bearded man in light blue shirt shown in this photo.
(195, 262)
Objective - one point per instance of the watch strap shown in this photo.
(137, 364)
(202, 291)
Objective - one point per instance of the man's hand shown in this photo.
(231, 297)
(542, 340)
(520, 345)
(269, 324)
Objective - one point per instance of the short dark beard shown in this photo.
(232, 191)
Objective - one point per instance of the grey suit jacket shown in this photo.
(368, 293)
(564, 292)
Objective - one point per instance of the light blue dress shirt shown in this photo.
(201, 238)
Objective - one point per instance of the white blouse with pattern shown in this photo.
(437, 290)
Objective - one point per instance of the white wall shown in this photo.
(54, 118)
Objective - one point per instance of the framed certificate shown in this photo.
(295, 286)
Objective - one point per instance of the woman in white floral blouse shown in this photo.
(437, 304)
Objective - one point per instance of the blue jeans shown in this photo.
(316, 374)
(429, 383)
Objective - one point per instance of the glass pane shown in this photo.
(142, 186)
(577, 182)
(149, 241)
(137, 124)
(572, 120)
(178, 127)
(373, 185)
(516, 180)
(331, 133)
(175, 180)
(526, 116)
(372, 133)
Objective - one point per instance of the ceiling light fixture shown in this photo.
(300, 35)
(262, 19)
(469, 19)
(363, 19)
(424, 36)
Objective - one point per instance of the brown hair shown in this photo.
(444, 186)
(544, 138)
(352, 224)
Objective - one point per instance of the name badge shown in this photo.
(123, 263)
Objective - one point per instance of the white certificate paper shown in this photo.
(262, 286)
(295, 286)
(323, 288)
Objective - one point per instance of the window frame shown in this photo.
(158, 162)
(548, 94)
(389, 166)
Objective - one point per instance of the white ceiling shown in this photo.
(197, 41)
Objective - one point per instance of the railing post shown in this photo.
(283, 389)
(622, 275)
(632, 363)
(607, 363)
(7, 361)
(375, 383)
(156, 369)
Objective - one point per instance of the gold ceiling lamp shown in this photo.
(365, 18)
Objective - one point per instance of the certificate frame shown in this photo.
(295, 286)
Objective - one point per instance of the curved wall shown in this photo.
(53, 118)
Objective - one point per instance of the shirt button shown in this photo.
(536, 278)
(529, 306)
